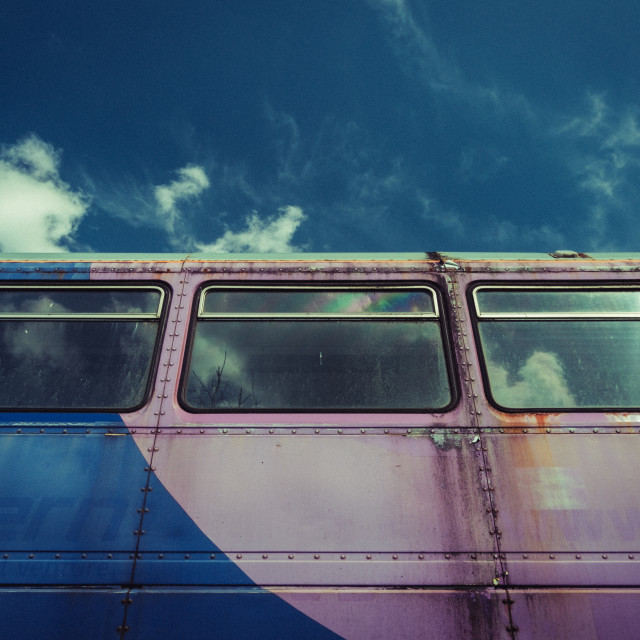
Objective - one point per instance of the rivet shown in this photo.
(342, 556)
(294, 431)
(5, 555)
(551, 556)
(84, 556)
(339, 430)
(525, 556)
(394, 556)
(617, 430)
(604, 556)
(212, 556)
(239, 556)
(631, 556)
(225, 431)
(420, 556)
(265, 556)
(386, 430)
(57, 556)
(201, 430)
(316, 556)
(31, 555)
(317, 431)
(271, 431)
(363, 431)
(408, 430)
(474, 556)
(187, 556)
(548, 430)
(572, 430)
(161, 556)
(447, 556)
(525, 431)
(578, 556)
(369, 556)
(248, 431)
(290, 556)
(595, 430)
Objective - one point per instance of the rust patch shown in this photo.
(531, 452)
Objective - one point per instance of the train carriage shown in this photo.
(394, 446)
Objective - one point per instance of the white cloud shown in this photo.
(540, 382)
(38, 211)
(273, 235)
(191, 182)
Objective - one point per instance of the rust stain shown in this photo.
(531, 451)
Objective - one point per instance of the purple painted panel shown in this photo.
(562, 614)
(380, 614)
(327, 495)
(567, 496)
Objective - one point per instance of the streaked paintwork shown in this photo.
(498, 513)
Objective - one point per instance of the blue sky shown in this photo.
(341, 125)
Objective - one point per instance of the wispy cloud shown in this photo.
(421, 58)
(38, 210)
(270, 235)
(604, 159)
(190, 184)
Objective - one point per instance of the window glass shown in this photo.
(285, 301)
(79, 301)
(324, 360)
(81, 348)
(561, 359)
(557, 301)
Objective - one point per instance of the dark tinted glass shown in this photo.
(319, 364)
(78, 364)
(563, 364)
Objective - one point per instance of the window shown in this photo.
(80, 347)
(561, 347)
(317, 348)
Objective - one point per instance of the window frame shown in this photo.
(159, 317)
(478, 317)
(439, 316)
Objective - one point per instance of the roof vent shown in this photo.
(565, 253)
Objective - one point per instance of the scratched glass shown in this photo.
(564, 301)
(317, 302)
(561, 349)
(319, 364)
(54, 301)
(78, 348)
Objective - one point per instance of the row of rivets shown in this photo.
(265, 556)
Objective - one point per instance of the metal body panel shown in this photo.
(468, 523)
(589, 614)
(60, 614)
(69, 507)
(566, 492)
(358, 496)
(358, 614)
